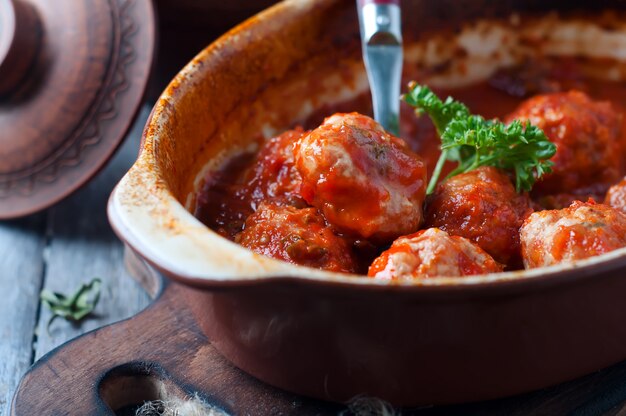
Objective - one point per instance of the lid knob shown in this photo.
(20, 37)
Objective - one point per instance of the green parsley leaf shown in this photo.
(472, 141)
(75, 307)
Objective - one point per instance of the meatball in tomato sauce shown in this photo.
(233, 193)
(482, 206)
(588, 136)
(296, 235)
(274, 174)
(580, 231)
(431, 253)
(365, 181)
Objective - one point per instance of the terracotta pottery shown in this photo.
(72, 76)
(333, 336)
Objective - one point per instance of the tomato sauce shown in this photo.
(231, 195)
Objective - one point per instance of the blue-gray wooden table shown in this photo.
(58, 249)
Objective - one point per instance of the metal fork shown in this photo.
(381, 36)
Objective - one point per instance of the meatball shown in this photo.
(430, 253)
(365, 181)
(588, 137)
(582, 230)
(299, 236)
(231, 194)
(481, 205)
(273, 175)
(616, 197)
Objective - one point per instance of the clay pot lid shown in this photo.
(72, 77)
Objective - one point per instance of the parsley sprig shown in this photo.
(473, 141)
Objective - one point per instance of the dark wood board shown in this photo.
(163, 350)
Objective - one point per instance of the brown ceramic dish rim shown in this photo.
(128, 207)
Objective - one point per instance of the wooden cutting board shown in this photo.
(162, 354)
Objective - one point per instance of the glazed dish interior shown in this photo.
(493, 66)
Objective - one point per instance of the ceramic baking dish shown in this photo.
(334, 336)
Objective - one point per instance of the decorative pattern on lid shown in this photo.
(65, 118)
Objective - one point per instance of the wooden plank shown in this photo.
(21, 270)
(83, 246)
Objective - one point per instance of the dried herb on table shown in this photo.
(73, 308)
